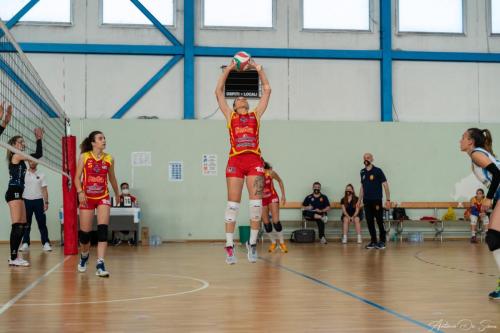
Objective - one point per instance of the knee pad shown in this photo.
(268, 227)
(473, 219)
(18, 228)
(493, 239)
(102, 232)
(84, 237)
(232, 210)
(255, 207)
(486, 220)
(278, 227)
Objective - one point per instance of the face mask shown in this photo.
(348, 192)
(125, 191)
(366, 162)
(316, 191)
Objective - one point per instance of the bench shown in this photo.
(391, 224)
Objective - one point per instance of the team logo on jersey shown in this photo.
(372, 177)
(96, 168)
(320, 199)
(243, 119)
(259, 169)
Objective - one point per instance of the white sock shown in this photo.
(280, 236)
(496, 254)
(271, 237)
(229, 239)
(473, 233)
(85, 254)
(254, 233)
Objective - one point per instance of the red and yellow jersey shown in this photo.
(95, 175)
(244, 133)
(268, 185)
(476, 203)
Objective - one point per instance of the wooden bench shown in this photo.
(398, 225)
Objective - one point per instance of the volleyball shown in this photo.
(241, 59)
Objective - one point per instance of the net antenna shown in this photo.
(33, 107)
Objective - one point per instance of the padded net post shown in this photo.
(70, 216)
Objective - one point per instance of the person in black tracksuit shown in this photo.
(372, 182)
(314, 208)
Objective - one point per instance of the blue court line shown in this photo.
(359, 298)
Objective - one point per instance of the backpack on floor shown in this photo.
(303, 236)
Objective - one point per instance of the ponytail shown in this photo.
(86, 144)
(488, 141)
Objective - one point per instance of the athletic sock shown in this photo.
(16, 237)
(496, 254)
(254, 233)
(229, 239)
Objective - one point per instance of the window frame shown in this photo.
(489, 12)
(370, 22)
(51, 23)
(237, 28)
(426, 33)
(136, 26)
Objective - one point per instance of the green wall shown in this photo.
(421, 161)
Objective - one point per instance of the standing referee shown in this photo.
(36, 200)
(372, 181)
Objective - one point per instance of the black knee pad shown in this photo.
(493, 239)
(278, 227)
(18, 228)
(84, 237)
(268, 227)
(102, 233)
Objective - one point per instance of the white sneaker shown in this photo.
(46, 247)
(323, 240)
(360, 240)
(20, 262)
(344, 239)
(25, 247)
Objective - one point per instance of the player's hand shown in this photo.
(283, 200)
(82, 198)
(255, 66)
(45, 206)
(8, 114)
(486, 205)
(38, 133)
(231, 66)
(388, 204)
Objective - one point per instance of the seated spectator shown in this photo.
(315, 208)
(476, 214)
(126, 200)
(351, 213)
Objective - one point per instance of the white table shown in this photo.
(121, 218)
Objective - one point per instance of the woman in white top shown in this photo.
(478, 144)
(36, 201)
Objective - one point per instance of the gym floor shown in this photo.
(187, 287)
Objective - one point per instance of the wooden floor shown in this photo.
(188, 287)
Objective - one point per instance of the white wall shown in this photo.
(96, 86)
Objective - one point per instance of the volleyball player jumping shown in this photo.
(244, 160)
(271, 204)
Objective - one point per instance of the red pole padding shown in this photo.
(70, 200)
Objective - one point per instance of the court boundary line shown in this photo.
(352, 295)
(204, 285)
(419, 258)
(32, 285)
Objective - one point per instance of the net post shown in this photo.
(70, 216)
